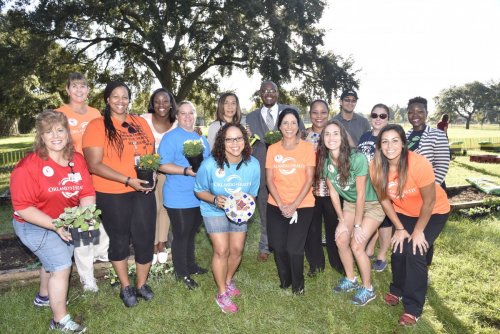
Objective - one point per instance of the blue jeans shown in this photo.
(54, 253)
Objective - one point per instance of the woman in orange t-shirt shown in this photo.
(419, 210)
(289, 174)
(111, 145)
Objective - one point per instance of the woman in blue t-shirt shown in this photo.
(230, 170)
(178, 197)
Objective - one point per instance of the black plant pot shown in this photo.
(195, 162)
(146, 175)
(84, 238)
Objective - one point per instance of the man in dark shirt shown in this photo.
(355, 124)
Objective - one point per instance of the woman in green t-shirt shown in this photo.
(347, 175)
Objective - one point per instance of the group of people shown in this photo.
(362, 182)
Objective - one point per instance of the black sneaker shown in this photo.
(198, 271)
(189, 282)
(67, 325)
(145, 292)
(128, 296)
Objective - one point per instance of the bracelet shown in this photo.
(215, 200)
(185, 171)
(400, 229)
(126, 182)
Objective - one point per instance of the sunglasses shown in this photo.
(381, 116)
(129, 127)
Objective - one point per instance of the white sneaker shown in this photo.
(155, 259)
(90, 284)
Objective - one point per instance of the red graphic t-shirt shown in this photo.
(48, 186)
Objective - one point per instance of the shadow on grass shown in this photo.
(476, 169)
(446, 317)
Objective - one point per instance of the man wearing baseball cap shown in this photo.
(354, 123)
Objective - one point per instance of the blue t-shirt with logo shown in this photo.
(178, 189)
(226, 181)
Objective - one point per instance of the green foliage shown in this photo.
(149, 161)
(192, 148)
(272, 137)
(472, 100)
(79, 217)
(188, 45)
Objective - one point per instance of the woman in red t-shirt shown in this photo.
(417, 206)
(42, 185)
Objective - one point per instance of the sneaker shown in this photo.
(391, 299)
(145, 292)
(89, 284)
(41, 301)
(232, 290)
(379, 265)
(225, 303)
(363, 296)
(346, 285)
(67, 325)
(408, 319)
(128, 296)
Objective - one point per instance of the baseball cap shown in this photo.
(348, 92)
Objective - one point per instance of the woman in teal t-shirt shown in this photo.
(347, 175)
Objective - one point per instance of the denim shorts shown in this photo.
(221, 224)
(47, 245)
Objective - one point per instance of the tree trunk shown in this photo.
(467, 122)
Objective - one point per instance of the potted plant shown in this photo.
(272, 137)
(146, 167)
(193, 150)
(82, 222)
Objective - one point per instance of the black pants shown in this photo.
(128, 216)
(323, 212)
(185, 224)
(287, 241)
(430, 252)
(409, 271)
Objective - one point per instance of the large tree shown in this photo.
(188, 45)
(471, 100)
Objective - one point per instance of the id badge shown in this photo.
(75, 177)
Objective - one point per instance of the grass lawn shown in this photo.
(462, 298)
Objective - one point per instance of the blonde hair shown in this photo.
(45, 121)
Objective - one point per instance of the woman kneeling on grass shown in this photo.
(346, 172)
(39, 187)
(230, 169)
(419, 210)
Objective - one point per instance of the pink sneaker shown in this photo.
(225, 303)
(232, 290)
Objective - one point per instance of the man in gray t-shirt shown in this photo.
(355, 124)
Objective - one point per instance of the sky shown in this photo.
(406, 48)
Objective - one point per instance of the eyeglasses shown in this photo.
(129, 127)
(233, 140)
(268, 91)
(381, 116)
(350, 101)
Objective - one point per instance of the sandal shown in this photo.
(391, 299)
(408, 320)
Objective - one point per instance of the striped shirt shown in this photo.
(434, 146)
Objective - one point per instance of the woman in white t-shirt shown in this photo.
(161, 119)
